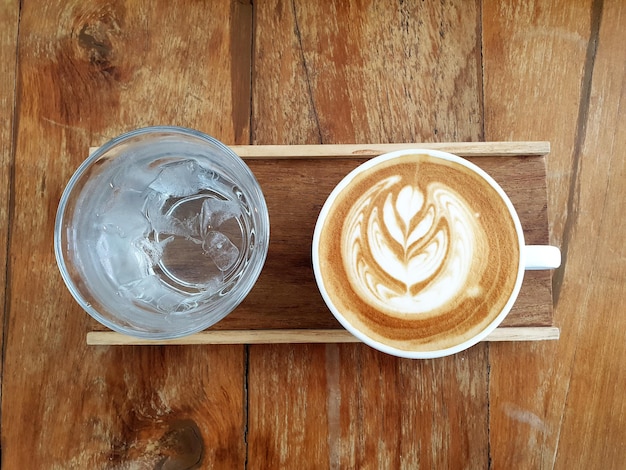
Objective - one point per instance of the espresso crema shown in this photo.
(419, 253)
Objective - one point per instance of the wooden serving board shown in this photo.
(285, 305)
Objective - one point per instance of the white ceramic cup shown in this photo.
(531, 257)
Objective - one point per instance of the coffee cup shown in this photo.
(421, 254)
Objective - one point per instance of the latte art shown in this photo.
(409, 249)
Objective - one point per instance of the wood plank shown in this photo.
(463, 149)
(87, 72)
(284, 336)
(594, 280)
(564, 407)
(9, 18)
(525, 409)
(286, 295)
(348, 406)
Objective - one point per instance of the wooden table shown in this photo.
(74, 74)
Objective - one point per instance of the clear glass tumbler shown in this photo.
(161, 232)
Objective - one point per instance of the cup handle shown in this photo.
(542, 257)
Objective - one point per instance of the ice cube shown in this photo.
(166, 223)
(129, 177)
(150, 290)
(152, 251)
(182, 178)
(220, 249)
(217, 211)
(163, 224)
(117, 256)
(122, 213)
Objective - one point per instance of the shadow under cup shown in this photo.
(161, 232)
(419, 253)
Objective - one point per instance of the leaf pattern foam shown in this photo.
(410, 250)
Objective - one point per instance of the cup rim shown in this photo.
(416, 354)
(69, 189)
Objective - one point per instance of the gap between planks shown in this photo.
(112, 338)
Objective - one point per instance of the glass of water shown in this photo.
(161, 232)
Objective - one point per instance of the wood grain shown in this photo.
(593, 282)
(308, 73)
(557, 71)
(525, 411)
(463, 149)
(348, 406)
(285, 336)
(318, 75)
(417, 80)
(87, 72)
(9, 12)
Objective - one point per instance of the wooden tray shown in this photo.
(285, 305)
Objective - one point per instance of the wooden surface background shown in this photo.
(74, 74)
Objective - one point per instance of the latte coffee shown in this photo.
(418, 251)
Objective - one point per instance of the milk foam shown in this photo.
(409, 249)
